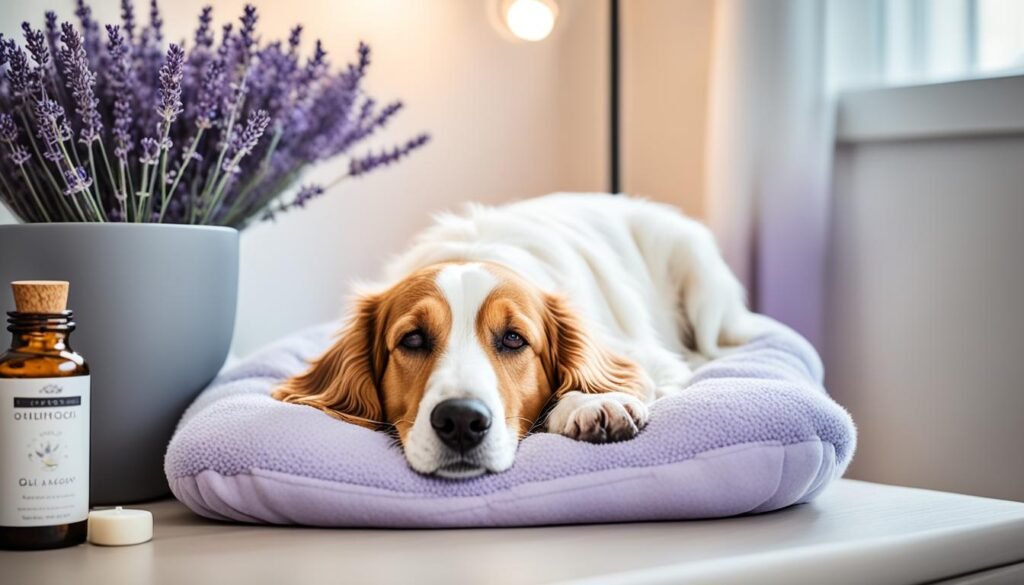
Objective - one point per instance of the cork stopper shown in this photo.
(40, 296)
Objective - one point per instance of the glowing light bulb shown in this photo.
(531, 20)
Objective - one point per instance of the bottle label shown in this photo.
(44, 451)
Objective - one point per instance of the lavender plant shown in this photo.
(108, 124)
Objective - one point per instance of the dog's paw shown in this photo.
(598, 418)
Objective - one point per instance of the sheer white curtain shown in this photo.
(776, 66)
(769, 153)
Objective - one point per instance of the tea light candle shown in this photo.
(120, 526)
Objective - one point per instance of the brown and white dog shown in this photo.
(570, 313)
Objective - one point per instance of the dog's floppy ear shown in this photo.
(575, 361)
(343, 381)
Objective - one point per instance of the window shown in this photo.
(941, 40)
(1000, 35)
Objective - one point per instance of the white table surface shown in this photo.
(856, 532)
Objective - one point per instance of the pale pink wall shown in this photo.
(666, 51)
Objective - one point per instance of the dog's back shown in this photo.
(650, 280)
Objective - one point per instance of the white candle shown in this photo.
(120, 526)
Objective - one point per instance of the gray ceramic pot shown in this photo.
(155, 307)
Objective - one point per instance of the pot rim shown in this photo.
(90, 225)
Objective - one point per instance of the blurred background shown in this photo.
(859, 160)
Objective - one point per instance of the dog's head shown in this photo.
(461, 360)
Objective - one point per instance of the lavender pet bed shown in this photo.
(753, 432)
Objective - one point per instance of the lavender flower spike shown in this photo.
(245, 142)
(150, 151)
(53, 128)
(365, 164)
(294, 39)
(19, 72)
(364, 61)
(82, 81)
(156, 22)
(170, 84)
(306, 194)
(77, 179)
(9, 134)
(90, 28)
(206, 108)
(118, 79)
(35, 41)
(204, 38)
(128, 19)
(8, 130)
(246, 34)
(19, 155)
(52, 31)
(254, 129)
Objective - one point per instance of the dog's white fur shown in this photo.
(650, 283)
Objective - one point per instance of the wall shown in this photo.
(509, 120)
(927, 277)
(666, 54)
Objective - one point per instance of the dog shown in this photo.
(569, 313)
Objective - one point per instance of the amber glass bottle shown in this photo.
(44, 424)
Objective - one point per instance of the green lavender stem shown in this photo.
(131, 186)
(96, 183)
(218, 193)
(106, 164)
(274, 192)
(116, 182)
(38, 153)
(164, 150)
(35, 196)
(63, 207)
(163, 183)
(123, 193)
(181, 172)
(143, 193)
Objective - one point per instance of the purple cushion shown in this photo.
(754, 431)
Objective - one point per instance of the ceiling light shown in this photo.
(531, 20)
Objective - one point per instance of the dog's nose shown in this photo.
(461, 423)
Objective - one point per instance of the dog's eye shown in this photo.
(414, 340)
(512, 340)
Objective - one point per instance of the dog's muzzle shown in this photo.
(461, 423)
